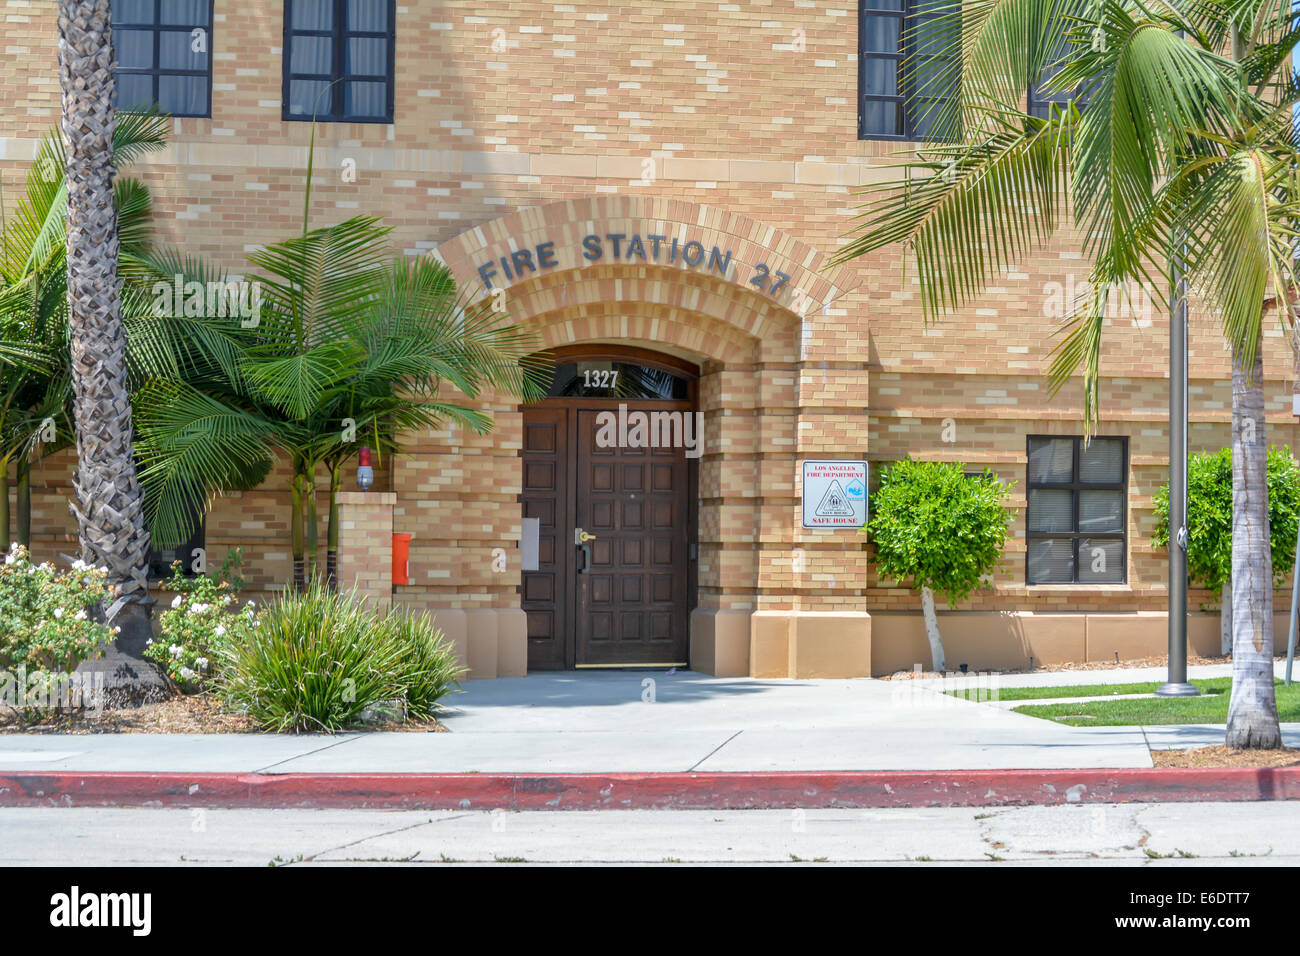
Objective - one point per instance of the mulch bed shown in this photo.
(197, 714)
(1082, 666)
(1222, 756)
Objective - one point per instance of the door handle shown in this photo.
(580, 538)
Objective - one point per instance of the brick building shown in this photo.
(656, 190)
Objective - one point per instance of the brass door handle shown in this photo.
(582, 537)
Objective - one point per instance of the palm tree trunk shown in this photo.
(107, 502)
(296, 534)
(23, 501)
(332, 532)
(937, 659)
(1225, 618)
(1252, 711)
(4, 506)
(313, 530)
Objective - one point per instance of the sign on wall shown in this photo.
(834, 494)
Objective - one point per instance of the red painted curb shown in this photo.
(646, 791)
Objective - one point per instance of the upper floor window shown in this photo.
(338, 60)
(1040, 101)
(899, 61)
(1077, 511)
(164, 55)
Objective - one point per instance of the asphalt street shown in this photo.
(1153, 835)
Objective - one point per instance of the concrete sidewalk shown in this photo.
(645, 722)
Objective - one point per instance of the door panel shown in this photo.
(546, 497)
(632, 605)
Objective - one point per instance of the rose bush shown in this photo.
(204, 613)
(47, 618)
(50, 620)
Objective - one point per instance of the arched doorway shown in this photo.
(610, 471)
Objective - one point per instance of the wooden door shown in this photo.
(632, 605)
(547, 496)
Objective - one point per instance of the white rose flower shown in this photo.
(58, 613)
(198, 608)
(176, 602)
(176, 651)
(187, 674)
(220, 630)
(201, 663)
(80, 615)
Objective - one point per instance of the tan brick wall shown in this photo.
(365, 562)
(731, 123)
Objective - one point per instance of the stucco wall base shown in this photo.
(1012, 640)
(491, 642)
(720, 642)
(810, 644)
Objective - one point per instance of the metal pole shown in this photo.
(1177, 685)
(1295, 604)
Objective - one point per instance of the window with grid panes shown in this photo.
(1077, 511)
(164, 55)
(898, 61)
(338, 60)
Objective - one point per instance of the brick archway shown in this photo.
(757, 253)
(458, 494)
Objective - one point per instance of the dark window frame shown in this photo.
(160, 561)
(1074, 486)
(907, 99)
(157, 28)
(337, 78)
(1039, 104)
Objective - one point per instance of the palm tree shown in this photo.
(35, 364)
(1185, 150)
(109, 505)
(348, 345)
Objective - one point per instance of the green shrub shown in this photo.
(934, 524)
(317, 660)
(204, 613)
(1209, 515)
(941, 528)
(48, 618)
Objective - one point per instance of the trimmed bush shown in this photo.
(317, 660)
(941, 528)
(1209, 523)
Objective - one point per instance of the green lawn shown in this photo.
(1072, 690)
(1165, 710)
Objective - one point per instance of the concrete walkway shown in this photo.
(645, 722)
